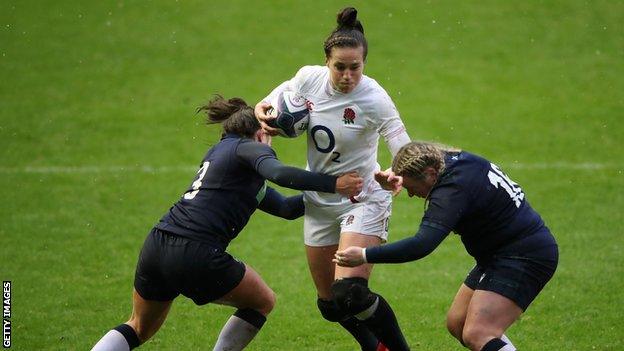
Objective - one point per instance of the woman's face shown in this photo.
(421, 187)
(345, 67)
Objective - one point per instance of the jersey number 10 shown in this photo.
(497, 177)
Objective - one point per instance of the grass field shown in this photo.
(98, 138)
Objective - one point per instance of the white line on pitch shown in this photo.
(188, 168)
(97, 169)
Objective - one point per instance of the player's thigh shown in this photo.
(321, 229)
(252, 292)
(356, 239)
(147, 315)
(456, 316)
(489, 314)
(364, 225)
(322, 268)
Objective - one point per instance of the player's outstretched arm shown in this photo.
(408, 249)
(262, 158)
(349, 184)
(278, 205)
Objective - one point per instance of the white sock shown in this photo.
(509, 346)
(235, 335)
(112, 341)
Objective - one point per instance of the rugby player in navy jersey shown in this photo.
(515, 253)
(185, 253)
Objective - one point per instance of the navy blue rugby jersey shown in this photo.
(476, 200)
(225, 193)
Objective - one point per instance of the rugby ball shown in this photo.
(291, 114)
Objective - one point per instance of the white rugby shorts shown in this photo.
(322, 225)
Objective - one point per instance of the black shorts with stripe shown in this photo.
(519, 271)
(170, 265)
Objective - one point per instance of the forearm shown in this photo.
(285, 207)
(408, 249)
(295, 178)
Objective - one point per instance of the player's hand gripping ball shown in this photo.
(291, 114)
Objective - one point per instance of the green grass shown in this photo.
(92, 92)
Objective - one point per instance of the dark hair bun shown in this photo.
(347, 19)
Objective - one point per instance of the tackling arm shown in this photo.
(285, 207)
(409, 249)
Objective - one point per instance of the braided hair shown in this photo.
(348, 33)
(414, 157)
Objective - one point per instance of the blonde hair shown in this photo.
(414, 157)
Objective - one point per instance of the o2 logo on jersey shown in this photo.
(331, 141)
(498, 178)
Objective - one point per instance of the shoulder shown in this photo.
(370, 87)
(307, 73)
(246, 146)
(312, 70)
(375, 100)
(309, 77)
(464, 169)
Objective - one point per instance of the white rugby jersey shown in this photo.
(344, 129)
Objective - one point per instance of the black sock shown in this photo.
(251, 316)
(129, 334)
(384, 325)
(494, 345)
(367, 340)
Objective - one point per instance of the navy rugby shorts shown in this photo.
(519, 271)
(170, 265)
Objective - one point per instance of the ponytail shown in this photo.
(234, 114)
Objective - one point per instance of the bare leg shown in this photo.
(322, 268)
(355, 239)
(254, 300)
(489, 315)
(456, 316)
(147, 317)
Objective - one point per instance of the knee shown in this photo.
(474, 336)
(267, 303)
(330, 310)
(455, 324)
(352, 294)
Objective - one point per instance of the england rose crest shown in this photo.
(348, 116)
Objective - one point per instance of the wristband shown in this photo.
(364, 254)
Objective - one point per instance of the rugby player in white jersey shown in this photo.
(348, 113)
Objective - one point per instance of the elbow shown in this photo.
(292, 213)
